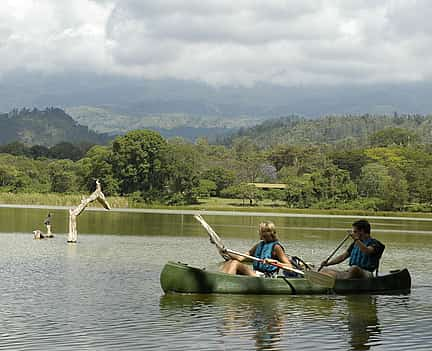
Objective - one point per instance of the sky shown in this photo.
(221, 42)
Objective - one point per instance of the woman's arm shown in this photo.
(251, 252)
(279, 254)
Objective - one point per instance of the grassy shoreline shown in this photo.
(212, 204)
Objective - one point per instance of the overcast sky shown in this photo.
(220, 42)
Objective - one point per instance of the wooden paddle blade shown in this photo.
(320, 279)
(214, 238)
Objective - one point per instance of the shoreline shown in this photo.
(210, 212)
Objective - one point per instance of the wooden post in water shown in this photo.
(75, 212)
(47, 223)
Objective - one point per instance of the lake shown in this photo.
(103, 293)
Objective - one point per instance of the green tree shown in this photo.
(311, 159)
(396, 190)
(22, 174)
(394, 156)
(206, 188)
(284, 156)
(373, 179)
(8, 174)
(39, 151)
(299, 192)
(137, 163)
(288, 172)
(221, 176)
(183, 165)
(62, 176)
(333, 183)
(394, 136)
(97, 164)
(420, 184)
(350, 160)
(22, 183)
(249, 159)
(65, 150)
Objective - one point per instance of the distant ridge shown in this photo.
(45, 127)
(190, 127)
(354, 129)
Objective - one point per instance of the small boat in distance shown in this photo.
(182, 278)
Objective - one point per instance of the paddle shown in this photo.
(214, 238)
(276, 264)
(313, 277)
(337, 248)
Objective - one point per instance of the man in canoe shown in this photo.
(364, 254)
(269, 249)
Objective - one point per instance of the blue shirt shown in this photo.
(365, 261)
(265, 250)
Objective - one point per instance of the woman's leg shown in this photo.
(236, 267)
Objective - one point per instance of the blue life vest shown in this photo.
(265, 250)
(365, 261)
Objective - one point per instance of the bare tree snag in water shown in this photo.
(74, 213)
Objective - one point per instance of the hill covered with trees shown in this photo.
(45, 127)
(350, 129)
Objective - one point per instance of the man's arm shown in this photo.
(338, 259)
(368, 250)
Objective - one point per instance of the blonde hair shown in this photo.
(267, 230)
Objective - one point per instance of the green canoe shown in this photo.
(181, 278)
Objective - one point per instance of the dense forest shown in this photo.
(344, 130)
(386, 165)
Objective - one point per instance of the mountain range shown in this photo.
(92, 107)
(141, 98)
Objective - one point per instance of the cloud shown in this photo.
(221, 42)
(52, 36)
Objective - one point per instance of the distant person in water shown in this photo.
(364, 254)
(269, 248)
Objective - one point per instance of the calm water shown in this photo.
(103, 293)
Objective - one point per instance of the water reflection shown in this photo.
(273, 322)
(260, 319)
(268, 329)
(362, 321)
(265, 323)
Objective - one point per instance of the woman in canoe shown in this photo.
(269, 249)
